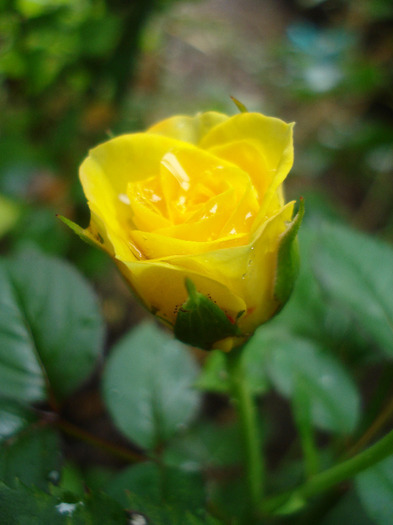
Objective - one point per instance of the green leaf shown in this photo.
(148, 386)
(29, 452)
(200, 322)
(205, 445)
(335, 403)
(166, 514)
(348, 511)
(375, 489)
(356, 270)
(288, 259)
(51, 331)
(32, 457)
(311, 314)
(171, 486)
(21, 505)
(14, 418)
(214, 377)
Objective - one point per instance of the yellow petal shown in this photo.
(271, 136)
(156, 246)
(188, 129)
(246, 270)
(112, 165)
(260, 274)
(250, 159)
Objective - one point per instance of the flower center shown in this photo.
(193, 197)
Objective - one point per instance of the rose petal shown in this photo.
(188, 129)
(156, 246)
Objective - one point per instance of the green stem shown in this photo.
(301, 407)
(337, 474)
(245, 406)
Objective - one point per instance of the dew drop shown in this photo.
(54, 476)
(66, 508)
(137, 519)
(124, 198)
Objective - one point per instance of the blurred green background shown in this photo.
(74, 72)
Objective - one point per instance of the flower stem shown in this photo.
(301, 407)
(337, 474)
(116, 450)
(245, 406)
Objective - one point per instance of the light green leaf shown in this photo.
(356, 270)
(335, 403)
(214, 377)
(51, 331)
(9, 214)
(148, 386)
(375, 489)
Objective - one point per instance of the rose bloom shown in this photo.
(196, 198)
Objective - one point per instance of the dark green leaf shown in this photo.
(375, 489)
(200, 322)
(335, 402)
(148, 386)
(51, 330)
(159, 486)
(357, 270)
(21, 505)
(32, 457)
(348, 511)
(14, 418)
(167, 515)
(205, 446)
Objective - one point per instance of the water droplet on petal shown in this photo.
(124, 198)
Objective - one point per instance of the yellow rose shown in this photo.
(196, 199)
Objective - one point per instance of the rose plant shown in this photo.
(193, 213)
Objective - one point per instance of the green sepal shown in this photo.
(87, 237)
(241, 107)
(200, 322)
(288, 259)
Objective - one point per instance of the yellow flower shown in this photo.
(196, 199)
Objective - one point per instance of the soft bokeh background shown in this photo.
(75, 72)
